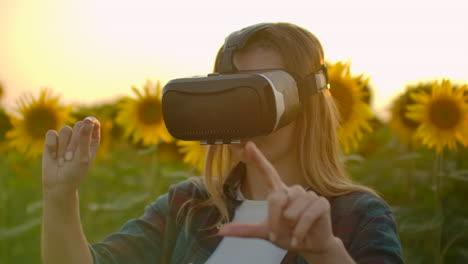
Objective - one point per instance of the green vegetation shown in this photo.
(127, 178)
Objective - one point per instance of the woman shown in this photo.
(280, 198)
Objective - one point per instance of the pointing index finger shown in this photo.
(268, 172)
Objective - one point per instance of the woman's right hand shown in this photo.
(68, 155)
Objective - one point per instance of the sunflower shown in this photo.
(350, 96)
(443, 115)
(105, 145)
(464, 87)
(37, 116)
(5, 124)
(142, 118)
(194, 153)
(2, 92)
(401, 125)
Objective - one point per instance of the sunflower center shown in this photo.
(444, 113)
(149, 111)
(39, 120)
(343, 98)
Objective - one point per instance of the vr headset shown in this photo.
(229, 105)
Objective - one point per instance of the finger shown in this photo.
(73, 141)
(244, 230)
(96, 131)
(319, 208)
(269, 173)
(91, 118)
(50, 145)
(95, 137)
(82, 151)
(300, 200)
(277, 201)
(64, 138)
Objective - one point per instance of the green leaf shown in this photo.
(20, 229)
(461, 175)
(120, 204)
(463, 252)
(353, 158)
(148, 151)
(409, 156)
(418, 221)
(183, 174)
(33, 207)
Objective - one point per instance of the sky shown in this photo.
(90, 51)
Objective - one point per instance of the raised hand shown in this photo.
(69, 154)
(297, 219)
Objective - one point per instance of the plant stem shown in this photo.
(452, 241)
(410, 175)
(154, 173)
(3, 220)
(6, 193)
(437, 173)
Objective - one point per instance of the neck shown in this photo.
(287, 167)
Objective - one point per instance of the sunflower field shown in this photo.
(417, 160)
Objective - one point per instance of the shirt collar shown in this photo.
(231, 188)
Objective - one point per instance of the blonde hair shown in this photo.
(316, 126)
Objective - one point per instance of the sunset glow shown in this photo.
(90, 51)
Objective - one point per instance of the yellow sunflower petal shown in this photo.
(194, 153)
(36, 117)
(142, 117)
(443, 117)
(349, 93)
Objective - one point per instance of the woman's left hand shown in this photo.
(298, 220)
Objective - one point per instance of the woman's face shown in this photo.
(280, 142)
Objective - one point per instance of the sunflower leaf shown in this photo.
(34, 206)
(409, 156)
(419, 225)
(463, 252)
(148, 151)
(459, 175)
(122, 203)
(353, 158)
(184, 174)
(19, 229)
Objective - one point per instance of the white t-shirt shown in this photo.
(235, 250)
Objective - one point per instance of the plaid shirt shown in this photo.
(362, 221)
